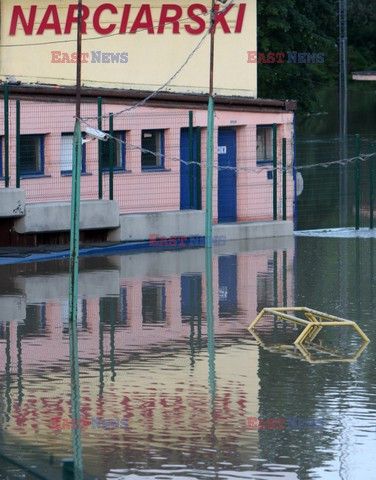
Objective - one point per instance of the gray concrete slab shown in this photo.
(12, 202)
(55, 216)
(139, 226)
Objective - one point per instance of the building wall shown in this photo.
(151, 191)
(30, 34)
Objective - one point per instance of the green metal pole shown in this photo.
(75, 221)
(209, 174)
(371, 188)
(357, 181)
(73, 295)
(100, 150)
(191, 170)
(112, 151)
(198, 166)
(210, 136)
(18, 143)
(6, 134)
(284, 149)
(274, 171)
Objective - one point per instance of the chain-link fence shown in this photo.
(149, 160)
(337, 182)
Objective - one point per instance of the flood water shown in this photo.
(185, 380)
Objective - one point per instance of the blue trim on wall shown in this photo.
(162, 152)
(40, 172)
(122, 153)
(83, 170)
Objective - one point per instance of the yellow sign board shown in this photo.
(130, 45)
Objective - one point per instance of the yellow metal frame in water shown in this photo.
(314, 323)
(302, 352)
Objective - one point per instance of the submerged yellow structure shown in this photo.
(313, 322)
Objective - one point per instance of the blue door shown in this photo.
(226, 177)
(186, 202)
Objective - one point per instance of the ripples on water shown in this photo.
(147, 354)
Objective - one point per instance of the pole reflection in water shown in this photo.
(19, 365)
(211, 343)
(75, 400)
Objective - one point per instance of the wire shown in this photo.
(153, 94)
(258, 169)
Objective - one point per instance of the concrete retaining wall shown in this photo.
(55, 216)
(240, 231)
(12, 202)
(139, 226)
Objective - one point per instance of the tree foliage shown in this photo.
(298, 25)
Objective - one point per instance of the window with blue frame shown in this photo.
(152, 155)
(264, 144)
(119, 152)
(32, 154)
(66, 154)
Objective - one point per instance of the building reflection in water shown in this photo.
(148, 352)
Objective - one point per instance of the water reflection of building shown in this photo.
(143, 349)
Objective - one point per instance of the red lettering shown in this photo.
(240, 19)
(55, 25)
(84, 57)
(65, 58)
(124, 19)
(261, 424)
(280, 422)
(270, 424)
(85, 423)
(280, 57)
(96, 17)
(66, 424)
(154, 240)
(26, 25)
(252, 57)
(271, 57)
(196, 18)
(55, 423)
(252, 423)
(261, 58)
(173, 19)
(220, 18)
(55, 56)
(72, 18)
(148, 23)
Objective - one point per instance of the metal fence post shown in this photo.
(6, 135)
(191, 169)
(284, 179)
(357, 181)
(18, 143)
(371, 186)
(198, 176)
(274, 171)
(100, 165)
(112, 151)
